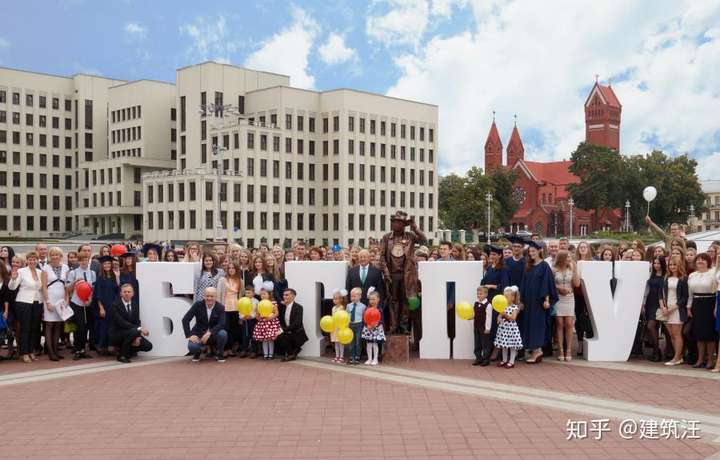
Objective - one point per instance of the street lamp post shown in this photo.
(571, 203)
(216, 149)
(627, 215)
(488, 197)
(692, 217)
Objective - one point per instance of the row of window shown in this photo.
(42, 139)
(156, 193)
(30, 223)
(30, 101)
(300, 126)
(126, 134)
(30, 180)
(30, 159)
(30, 202)
(136, 152)
(113, 199)
(267, 221)
(30, 120)
(128, 113)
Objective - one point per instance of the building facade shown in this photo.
(544, 205)
(710, 219)
(327, 166)
(88, 154)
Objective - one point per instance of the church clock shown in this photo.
(519, 195)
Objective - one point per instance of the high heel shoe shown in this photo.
(699, 364)
(26, 359)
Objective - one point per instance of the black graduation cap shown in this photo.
(488, 248)
(515, 239)
(127, 254)
(534, 244)
(104, 259)
(151, 246)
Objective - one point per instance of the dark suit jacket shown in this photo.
(198, 311)
(480, 316)
(295, 329)
(374, 278)
(119, 320)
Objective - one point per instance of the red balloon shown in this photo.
(371, 317)
(83, 290)
(118, 250)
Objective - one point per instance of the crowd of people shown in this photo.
(547, 312)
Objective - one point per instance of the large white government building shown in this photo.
(176, 162)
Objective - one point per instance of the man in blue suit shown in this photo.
(209, 328)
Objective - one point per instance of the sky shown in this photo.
(536, 60)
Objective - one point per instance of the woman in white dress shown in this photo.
(566, 279)
(54, 279)
(673, 306)
(28, 306)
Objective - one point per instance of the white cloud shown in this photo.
(334, 50)
(210, 39)
(287, 51)
(523, 57)
(709, 166)
(403, 23)
(135, 30)
(444, 7)
(4, 43)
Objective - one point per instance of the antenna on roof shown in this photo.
(515, 116)
(596, 78)
(493, 116)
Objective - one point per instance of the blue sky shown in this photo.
(524, 57)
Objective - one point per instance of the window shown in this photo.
(288, 121)
(325, 125)
(250, 195)
(88, 114)
(16, 98)
(311, 124)
(182, 116)
(300, 147)
(372, 131)
(288, 145)
(250, 220)
(351, 147)
(336, 147)
(68, 105)
(351, 123)
(276, 143)
(300, 120)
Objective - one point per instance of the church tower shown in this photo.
(515, 148)
(602, 117)
(493, 150)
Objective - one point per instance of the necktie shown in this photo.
(128, 307)
(352, 316)
(363, 274)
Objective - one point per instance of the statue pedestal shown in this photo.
(396, 349)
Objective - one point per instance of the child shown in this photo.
(268, 328)
(508, 335)
(338, 304)
(247, 325)
(356, 309)
(482, 327)
(373, 335)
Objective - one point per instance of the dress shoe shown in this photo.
(123, 359)
(484, 363)
(477, 362)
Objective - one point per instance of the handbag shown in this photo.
(659, 315)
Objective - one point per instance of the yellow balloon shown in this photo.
(244, 306)
(499, 303)
(345, 335)
(327, 324)
(265, 308)
(341, 318)
(464, 310)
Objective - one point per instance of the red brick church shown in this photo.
(540, 187)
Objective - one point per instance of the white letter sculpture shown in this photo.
(434, 276)
(161, 311)
(615, 318)
(305, 278)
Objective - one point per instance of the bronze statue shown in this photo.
(398, 254)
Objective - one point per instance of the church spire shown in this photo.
(515, 148)
(493, 148)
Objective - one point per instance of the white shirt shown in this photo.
(209, 312)
(29, 288)
(488, 316)
(287, 314)
(128, 307)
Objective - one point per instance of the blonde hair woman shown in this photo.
(55, 296)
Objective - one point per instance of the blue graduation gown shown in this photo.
(498, 277)
(516, 271)
(537, 284)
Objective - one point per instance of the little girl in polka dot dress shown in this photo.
(267, 329)
(508, 334)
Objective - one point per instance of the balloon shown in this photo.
(83, 290)
(413, 303)
(345, 335)
(371, 317)
(649, 193)
(327, 324)
(117, 250)
(341, 319)
(464, 310)
(244, 306)
(265, 307)
(499, 303)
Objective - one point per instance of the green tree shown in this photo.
(601, 174)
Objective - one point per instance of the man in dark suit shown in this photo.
(365, 275)
(291, 322)
(209, 328)
(124, 327)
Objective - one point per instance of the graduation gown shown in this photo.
(538, 283)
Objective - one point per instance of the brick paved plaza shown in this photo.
(172, 408)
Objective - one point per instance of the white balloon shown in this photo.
(649, 193)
